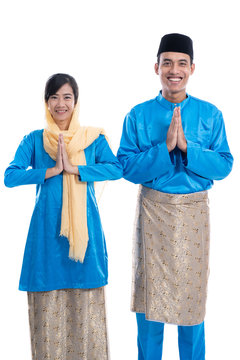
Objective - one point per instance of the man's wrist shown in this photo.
(170, 147)
(184, 150)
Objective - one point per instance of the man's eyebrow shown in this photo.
(166, 59)
(185, 60)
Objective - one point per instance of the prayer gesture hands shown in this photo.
(175, 134)
(62, 161)
(59, 158)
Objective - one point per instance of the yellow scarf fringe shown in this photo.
(74, 197)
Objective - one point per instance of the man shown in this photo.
(174, 146)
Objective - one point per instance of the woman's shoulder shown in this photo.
(34, 134)
(92, 130)
(32, 137)
(93, 134)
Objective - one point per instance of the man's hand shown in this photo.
(172, 134)
(181, 140)
(175, 134)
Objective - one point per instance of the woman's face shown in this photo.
(61, 106)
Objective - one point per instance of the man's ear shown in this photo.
(192, 68)
(156, 68)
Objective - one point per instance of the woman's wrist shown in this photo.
(73, 170)
(54, 171)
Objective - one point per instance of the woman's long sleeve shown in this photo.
(213, 163)
(106, 167)
(141, 166)
(17, 172)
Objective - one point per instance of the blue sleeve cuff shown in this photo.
(82, 173)
(166, 158)
(191, 156)
(17, 177)
(42, 174)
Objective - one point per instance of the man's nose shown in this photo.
(174, 68)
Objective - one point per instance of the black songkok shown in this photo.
(176, 43)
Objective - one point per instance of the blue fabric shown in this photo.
(150, 338)
(46, 265)
(191, 340)
(144, 155)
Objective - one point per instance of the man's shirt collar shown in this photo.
(169, 105)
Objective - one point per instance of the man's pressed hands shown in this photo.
(175, 134)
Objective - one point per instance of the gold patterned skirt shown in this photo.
(68, 324)
(171, 256)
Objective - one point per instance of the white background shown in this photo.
(110, 48)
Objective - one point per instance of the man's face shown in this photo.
(174, 70)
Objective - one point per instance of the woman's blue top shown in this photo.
(46, 264)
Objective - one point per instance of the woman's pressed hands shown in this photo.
(59, 158)
(67, 166)
(62, 161)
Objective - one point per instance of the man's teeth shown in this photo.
(174, 79)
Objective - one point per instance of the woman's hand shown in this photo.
(58, 168)
(59, 159)
(62, 161)
(67, 166)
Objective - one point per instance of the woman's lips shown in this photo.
(61, 111)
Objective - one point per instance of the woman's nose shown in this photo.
(61, 101)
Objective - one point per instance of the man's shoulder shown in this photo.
(144, 106)
(204, 104)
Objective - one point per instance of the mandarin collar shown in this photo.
(169, 105)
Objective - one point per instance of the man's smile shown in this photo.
(174, 79)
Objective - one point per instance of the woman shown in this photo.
(65, 261)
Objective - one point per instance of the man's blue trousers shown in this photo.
(191, 340)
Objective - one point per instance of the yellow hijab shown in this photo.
(74, 204)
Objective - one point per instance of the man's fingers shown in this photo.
(177, 113)
(179, 119)
(175, 120)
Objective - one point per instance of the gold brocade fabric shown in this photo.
(171, 256)
(68, 324)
